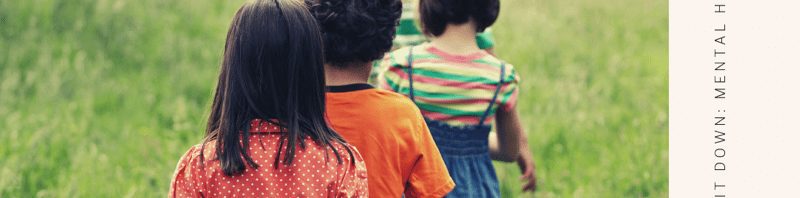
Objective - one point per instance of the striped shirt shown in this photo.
(407, 34)
(455, 89)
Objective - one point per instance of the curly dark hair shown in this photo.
(356, 30)
(436, 14)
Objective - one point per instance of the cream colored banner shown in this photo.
(734, 98)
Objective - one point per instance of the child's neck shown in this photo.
(457, 39)
(353, 73)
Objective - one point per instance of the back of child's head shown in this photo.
(437, 14)
(356, 31)
(271, 69)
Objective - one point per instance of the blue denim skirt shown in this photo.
(466, 153)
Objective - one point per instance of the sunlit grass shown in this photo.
(100, 98)
(594, 97)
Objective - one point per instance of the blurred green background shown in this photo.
(99, 98)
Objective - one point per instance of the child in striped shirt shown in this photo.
(461, 90)
(409, 35)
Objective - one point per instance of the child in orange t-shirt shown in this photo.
(389, 130)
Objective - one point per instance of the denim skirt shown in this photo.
(465, 151)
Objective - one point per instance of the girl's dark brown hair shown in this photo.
(436, 14)
(271, 69)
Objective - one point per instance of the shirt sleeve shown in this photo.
(185, 182)
(510, 90)
(429, 177)
(485, 39)
(392, 71)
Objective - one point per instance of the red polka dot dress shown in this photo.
(314, 172)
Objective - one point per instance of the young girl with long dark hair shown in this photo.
(267, 135)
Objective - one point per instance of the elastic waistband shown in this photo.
(460, 141)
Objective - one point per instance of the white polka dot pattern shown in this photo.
(314, 171)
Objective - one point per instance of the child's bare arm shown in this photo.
(505, 144)
(526, 165)
(524, 158)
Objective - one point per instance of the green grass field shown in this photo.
(100, 98)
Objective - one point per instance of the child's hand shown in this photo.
(525, 163)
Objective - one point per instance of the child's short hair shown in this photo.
(356, 30)
(436, 14)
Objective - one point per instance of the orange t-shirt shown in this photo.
(389, 131)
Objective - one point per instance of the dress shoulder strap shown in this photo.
(496, 92)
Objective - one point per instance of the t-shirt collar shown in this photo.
(456, 57)
(348, 87)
